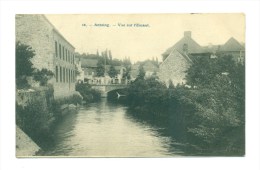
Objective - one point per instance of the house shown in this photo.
(52, 51)
(150, 67)
(174, 67)
(234, 48)
(89, 66)
(178, 58)
(186, 45)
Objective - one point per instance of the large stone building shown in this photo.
(178, 58)
(174, 68)
(52, 51)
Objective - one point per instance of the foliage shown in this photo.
(112, 71)
(42, 76)
(141, 72)
(23, 64)
(210, 116)
(87, 92)
(100, 69)
(127, 72)
(34, 118)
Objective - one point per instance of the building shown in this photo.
(89, 66)
(80, 76)
(52, 51)
(234, 48)
(150, 67)
(174, 67)
(186, 45)
(177, 59)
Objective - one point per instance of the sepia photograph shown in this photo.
(130, 85)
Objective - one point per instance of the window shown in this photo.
(56, 49)
(63, 52)
(60, 74)
(57, 74)
(73, 76)
(63, 74)
(60, 51)
(69, 56)
(69, 76)
(66, 55)
(185, 48)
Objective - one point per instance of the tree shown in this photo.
(43, 76)
(112, 71)
(24, 66)
(219, 102)
(127, 72)
(171, 85)
(141, 73)
(100, 69)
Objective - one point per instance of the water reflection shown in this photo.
(105, 129)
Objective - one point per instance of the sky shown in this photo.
(145, 36)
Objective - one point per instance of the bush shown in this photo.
(43, 76)
(23, 64)
(33, 120)
(87, 92)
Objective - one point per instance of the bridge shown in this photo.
(105, 88)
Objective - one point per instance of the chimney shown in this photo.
(187, 34)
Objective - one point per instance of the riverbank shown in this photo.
(210, 118)
(25, 146)
(37, 113)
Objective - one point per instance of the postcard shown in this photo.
(130, 85)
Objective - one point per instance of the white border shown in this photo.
(7, 74)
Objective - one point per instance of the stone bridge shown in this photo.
(104, 89)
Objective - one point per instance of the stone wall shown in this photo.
(34, 31)
(173, 68)
(40, 34)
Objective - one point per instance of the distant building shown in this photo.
(150, 68)
(234, 48)
(52, 50)
(190, 47)
(89, 66)
(174, 67)
(81, 75)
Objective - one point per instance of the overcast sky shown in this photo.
(161, 31)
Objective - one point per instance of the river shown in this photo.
(104, 129)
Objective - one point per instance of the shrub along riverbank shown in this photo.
(210, 116)
(37, 113)
(88, 94)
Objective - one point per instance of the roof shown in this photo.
(193, 46)
(54, 29)
(85, 62)
(175, 52)
(232, 45)
(149, 66)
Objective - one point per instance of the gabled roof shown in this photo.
(176, 52)
(193, 46)
(85, 62)
(232, 45)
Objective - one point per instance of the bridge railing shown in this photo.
(112, 81)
